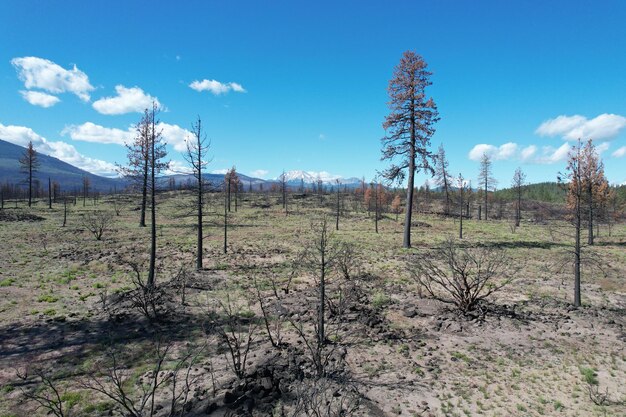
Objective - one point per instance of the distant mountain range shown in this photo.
(298, 177)
(68, 176)
(71, 178)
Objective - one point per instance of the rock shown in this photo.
(211, 408)
(409, 312)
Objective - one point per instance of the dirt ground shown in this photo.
(527, 352)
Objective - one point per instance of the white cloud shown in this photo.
(90, 132)
(21, 135)
(479, 150)
(128, 100)
(37, 98)
(604, 126)
(602, 147)
(178, 167)
(503, 152)
(551, 155)
(46, 75)
(219, 171)
(528, 152)
(216, 87)
(259, 173)
(619, 153)
(175, 135)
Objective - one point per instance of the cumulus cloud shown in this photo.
(215, 87)
(46, 75)
(502, 152)
(37, 98)
(128, 100)
(175, 135)
(551, 155)
(619, 153)
(91, 132)
(259, 173)
(21, 135)
(220, 171)
(604, 126)
(178, 167)
(528, 152)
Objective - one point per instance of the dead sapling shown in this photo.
(97, 222)
(168, 391)
(150, 301)
(271, 308)
(462, 277)
(325, 397)
(46, 392)
(235, 327)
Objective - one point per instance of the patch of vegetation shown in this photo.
(380, 300)
(47, 298)
(7, 282)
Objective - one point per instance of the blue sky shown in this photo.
(302, 85)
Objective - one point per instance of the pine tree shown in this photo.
(442, 177)
(156, 152)
(486, 180)
(138, 167)
(409, 127)
(593, 183)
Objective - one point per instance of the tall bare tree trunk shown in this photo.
(144, 191)
(64, 211)
(226, 218)
(590, 220)
(151, 270)
(577, 302)
(406, 243)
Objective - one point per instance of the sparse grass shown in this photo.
(517, 365)
(47, 298)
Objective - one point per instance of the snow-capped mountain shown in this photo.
(310, 177)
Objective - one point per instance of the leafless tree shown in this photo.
(519, 180)
(486, 180)
(594, 184)
(337, 208)
(347, 261)
(325, 397)
(460, 276)
(46, 393)
(112, 377)
(271, 308)
(236, 331)
(283, 190)
(49, 193)
(442, 176)
(156, 148)
(86, 186)
(410, 125)
(97, 222)
(138, 167)
(462, 187)
(64, 211)
(195, 156)
(29, 165)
